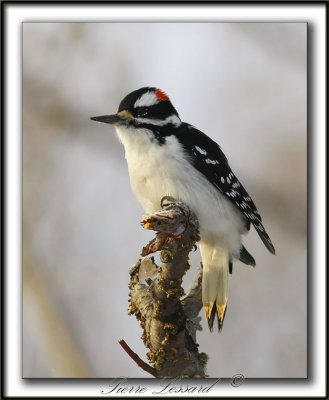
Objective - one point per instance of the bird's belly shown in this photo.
(151, 179)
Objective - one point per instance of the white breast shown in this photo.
(156, 171)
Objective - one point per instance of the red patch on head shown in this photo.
(161, 95)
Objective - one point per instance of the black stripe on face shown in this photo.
(160, 110)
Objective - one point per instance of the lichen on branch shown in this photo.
(169, 317)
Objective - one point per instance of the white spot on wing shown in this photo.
(201, 151)
(213, 162)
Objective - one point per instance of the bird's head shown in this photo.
(145, 106)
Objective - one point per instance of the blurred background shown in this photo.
(244, 85)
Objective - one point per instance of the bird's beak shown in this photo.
(113, 119)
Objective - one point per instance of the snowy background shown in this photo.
(242, 84)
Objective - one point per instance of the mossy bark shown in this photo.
(169, 318)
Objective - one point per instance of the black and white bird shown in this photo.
(168, 157)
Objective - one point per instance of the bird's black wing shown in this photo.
(208, 158)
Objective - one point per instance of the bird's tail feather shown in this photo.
(246, 257)
(214, 282)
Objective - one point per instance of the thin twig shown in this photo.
(137, 359)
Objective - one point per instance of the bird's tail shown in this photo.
(214, 282)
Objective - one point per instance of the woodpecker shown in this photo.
(168, 157)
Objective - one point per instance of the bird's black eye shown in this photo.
(142, 112)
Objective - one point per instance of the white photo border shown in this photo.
(13, 15)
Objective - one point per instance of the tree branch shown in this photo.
(136, 358)
(168, 317)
